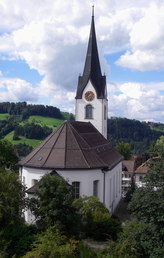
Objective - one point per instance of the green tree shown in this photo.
(12, 199)
(159, 146)
(97, 222)
(147, 205)
(52, 243)
(124, 149)
(53, 205)
(8, 157)
(12, 202)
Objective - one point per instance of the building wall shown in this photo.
(109, 183)
(99, 110)
(138, 179)
(113, 180)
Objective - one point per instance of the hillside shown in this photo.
(138, 134)
(30, 124)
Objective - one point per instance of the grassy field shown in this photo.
(40, 120)
(3, 116)
(44, 121)
(32, 142)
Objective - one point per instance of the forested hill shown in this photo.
(25, 110)
(138, 134)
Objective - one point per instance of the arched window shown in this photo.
(105, 112)
(76, 189)
(88, 111)
(95, 188)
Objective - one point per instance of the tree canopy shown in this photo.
(147, 205)
(8, 156)
(124, 149)
(53, 205)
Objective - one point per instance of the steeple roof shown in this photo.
(92, 69)
(74, 145)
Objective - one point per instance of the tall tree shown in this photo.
(53, 205)
(147, 205)
(8, 156)
(124, 149)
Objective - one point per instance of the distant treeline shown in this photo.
(31, 131)
(26, 110)
(138, 134)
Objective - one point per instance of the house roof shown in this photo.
(143, 169)
(128, 165)
(74, 145)
(92, 69)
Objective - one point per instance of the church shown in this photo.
(79, 150)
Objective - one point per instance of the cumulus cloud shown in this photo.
(137, 101)
(17, 90)
(51, 37)
(146, 41)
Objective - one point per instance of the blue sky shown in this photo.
(42, 52)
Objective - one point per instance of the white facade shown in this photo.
(108, 183)
(138, 179)
(99, 110)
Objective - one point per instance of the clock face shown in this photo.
(89, 95)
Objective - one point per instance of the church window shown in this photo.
(89, 111)
(76, 190)
(105, 112)
(95, 188)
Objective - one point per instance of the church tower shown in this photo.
(91, 95)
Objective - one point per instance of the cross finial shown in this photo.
(93, 10)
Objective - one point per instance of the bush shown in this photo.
(52, 244)
(102, 227)
(98, 223)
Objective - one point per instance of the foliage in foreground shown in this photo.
(52, 205)
(8, 157)
(52, 244)
(97, 222)
(147, 205)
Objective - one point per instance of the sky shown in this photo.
(43, 46)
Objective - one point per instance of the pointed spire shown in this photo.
(92, 10)
(92, 69)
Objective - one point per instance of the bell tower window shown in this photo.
(89, 111)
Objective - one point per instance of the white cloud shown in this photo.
(146, 50)
(51, 36)
(137, 101)
(17, 90)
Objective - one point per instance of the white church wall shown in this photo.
(28, 216)
(113, 187)
(98, 110)
(110, 194)
(86, 179)
(29, 175)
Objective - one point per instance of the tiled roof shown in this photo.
(128, 165)
(74, 145)
(143, 169)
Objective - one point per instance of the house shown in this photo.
(78, 150)
(140, 173)
(127, 174)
